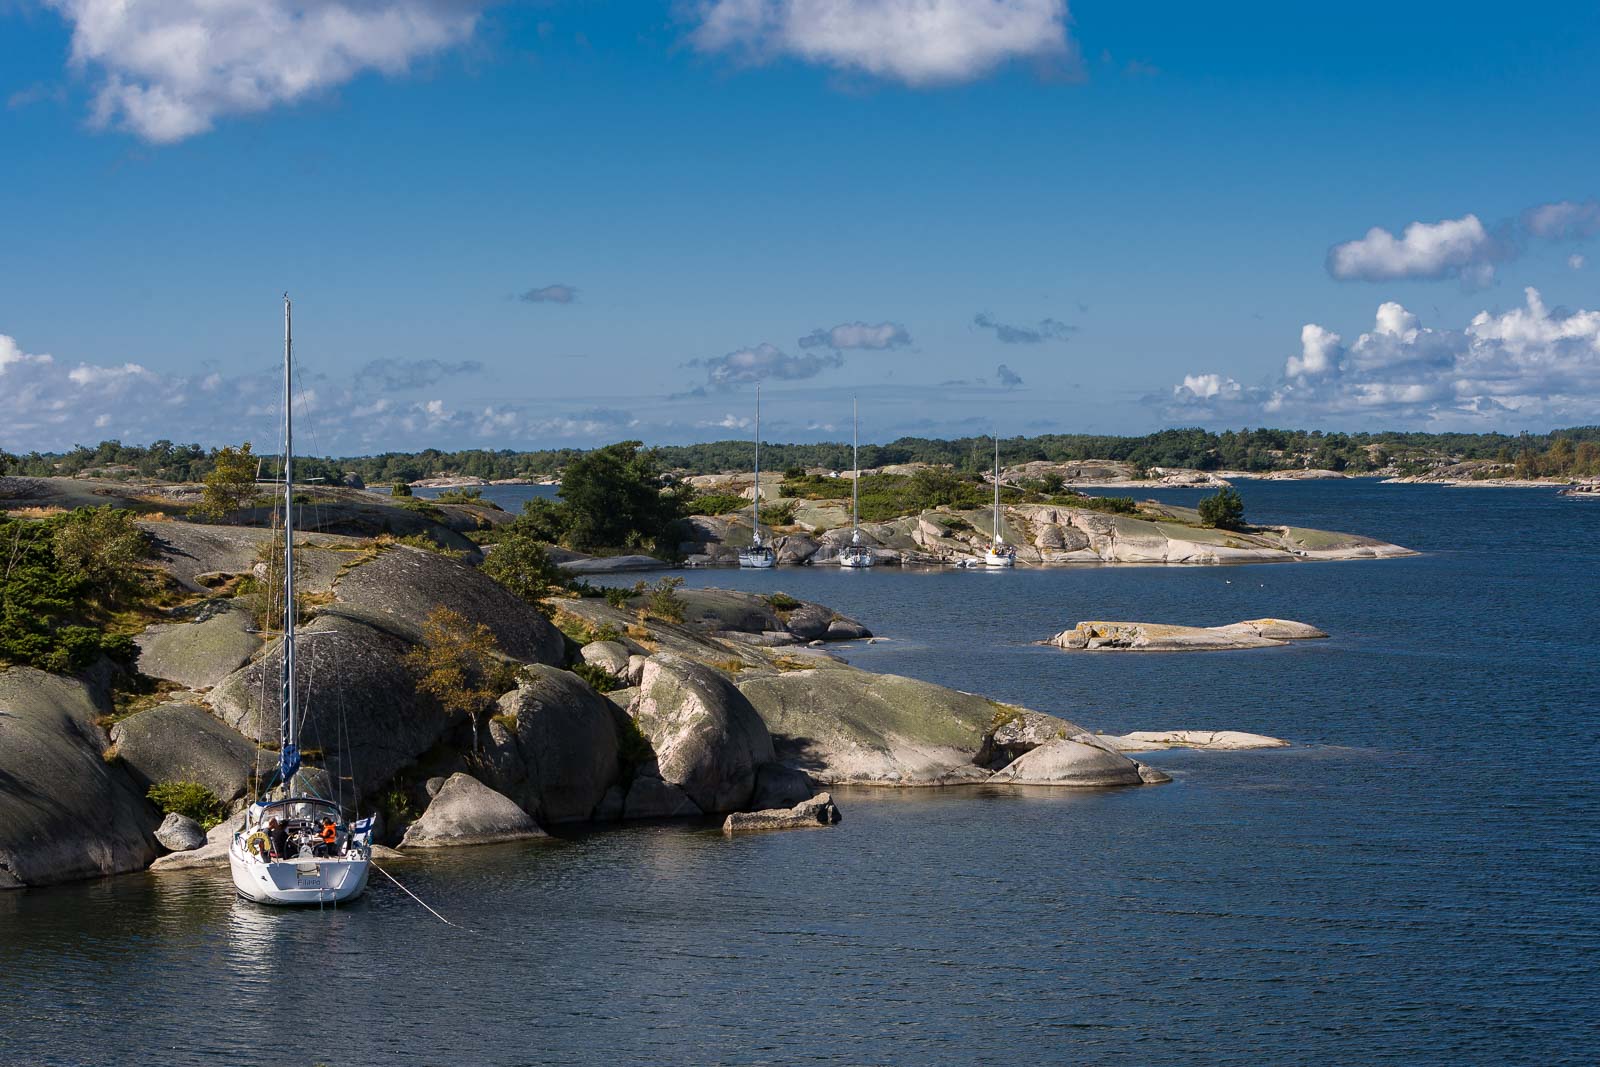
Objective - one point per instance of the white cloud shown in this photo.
(1563, 220)
(880, 336)
(729, 421)
(918, 42)
(1526, 363)
(169, 69)
(1453, 247)
(765, 362)
(1575, 261)
(11, 354)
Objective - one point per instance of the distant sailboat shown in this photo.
(296, 848)
(999, 554)
(759, 555)
(855, 554)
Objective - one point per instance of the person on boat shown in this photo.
(280, 838)
(329, 836)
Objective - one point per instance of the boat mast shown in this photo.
(289, 752)
(997, 539)
(757, 513)
(855, 463)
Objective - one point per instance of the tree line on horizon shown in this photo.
(1559, 452)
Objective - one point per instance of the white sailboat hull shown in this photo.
(856, 562)
(760, 561)
(999, 559)
(298, 881)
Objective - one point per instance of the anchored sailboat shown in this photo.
(296, 848)
(999, 554)
(855, 554)
(759, 555)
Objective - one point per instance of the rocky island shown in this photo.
(1166, 637)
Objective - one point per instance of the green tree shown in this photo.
(459, 664)
(103, 548)
(1224, 511)
(7, 461)
(521, 564)
(614, 499)
(230, 485)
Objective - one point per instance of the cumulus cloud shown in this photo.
(1531, 362)
(399, 375)
(1575, 261)
(1007, 377)
(169, 70)
(1563, 220)
(1449, 248)
(883, 335)
(765, 362)
(728, 421)
(550, 294)
(1046, 330)
(917, 42)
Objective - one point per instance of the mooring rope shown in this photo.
(419, 900)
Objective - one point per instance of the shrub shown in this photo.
(662, 599)
(782, 602)
(102, 547)
(717, 504)
(521, 564)
(231, 484)
(459, 665)
(400, 488)
(1224, 511)
(190, 799)
(599, 679)
(617, 596)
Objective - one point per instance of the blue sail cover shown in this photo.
(288, 762)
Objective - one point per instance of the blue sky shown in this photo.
(522, 225)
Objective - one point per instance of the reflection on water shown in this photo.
(1414, 882)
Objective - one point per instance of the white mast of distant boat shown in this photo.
(340, 872)
(855, 554)
(759, 555)
(999, 554)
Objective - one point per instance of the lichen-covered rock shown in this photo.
(65, 812)
(183, 742)
(358, 699)
(843, 725)
(553, 745)
(1017, 731)
(707, 738)
(467, 812)
(1065, 761)
(200, 653)
(179, 833)
(396, 591)
(819, 810)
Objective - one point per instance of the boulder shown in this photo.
(817, 811)
(610, 807)
(65, 812)
(728, 609)
(809, 622)
(1065, 761)
(214, 853)
(844, 725)
(707, 737)
(609, 656)
(360, 698)
(179, 833)
(467, 812)
(843, 629)
(1152, 740)
(1165, 637)
(395, 591)
(200, 653)
(183, 742)
(636, 669)
(1017, 731)
(651, 798)
(553, 745)
(778, 786)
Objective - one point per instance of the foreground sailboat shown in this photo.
(759, 555)
(295, 848)
(855, 554)
(999, 553)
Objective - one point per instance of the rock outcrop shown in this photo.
(467, 812)
(1213, 740)
(819, 810)
(708, 739)
(1070, 762)
(65, 811)
(651, 798)
(201, 652)
(1165, 637)
(553, 746)
(183, 742)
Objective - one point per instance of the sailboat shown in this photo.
(999, 553)
(294, 847)
(759, 555)
(855, 554)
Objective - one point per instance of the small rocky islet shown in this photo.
(738, 708)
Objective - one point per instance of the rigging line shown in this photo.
(419, 900)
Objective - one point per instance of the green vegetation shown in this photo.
(521, 564)
(466, 496)
(617, 596)
(459, 664)
(599, 679)
(400, 488)
(717, 504)
(1223, 511)
(422, 507)
(661, 599)
(230, 484)
(65, 583)
(782, 602)
(189, 799)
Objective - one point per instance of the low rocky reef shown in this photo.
(1043, 534)
(1166, 637)
(737, 707)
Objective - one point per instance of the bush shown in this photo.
(102, 547)
(617, 596)
(662, 599)
(522, 565)
(400, 488)
(190, 799)
(599, 679)
(717, 504)
(52, 615)
(782, 602)
(1224, 511)
(231, 484)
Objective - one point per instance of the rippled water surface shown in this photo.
(1416, 881)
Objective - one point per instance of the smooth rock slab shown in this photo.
(1217, 740)
(1067, 762)
(818, 811)
(467, 812)
(183, 742)
(1165, 637)
(707, 737)
(198, 655)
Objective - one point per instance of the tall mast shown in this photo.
(757, 513)
(855, 464)
(289, 753)
(997, 489)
